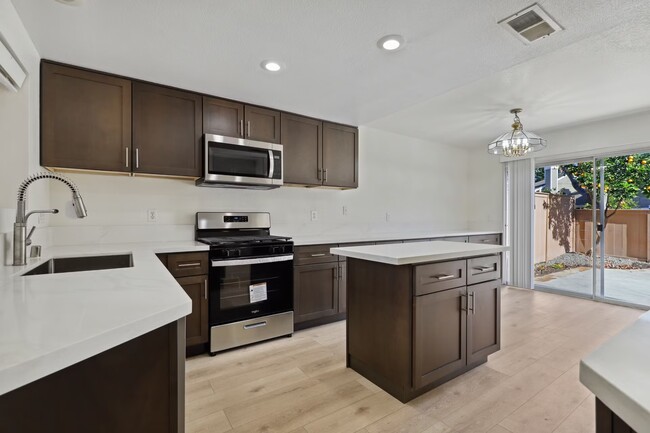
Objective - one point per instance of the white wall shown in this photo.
(421, 185)
(485, 191)
(18, 129)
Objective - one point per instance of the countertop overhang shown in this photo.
(50, 322)
(418, 252)
(618, 373)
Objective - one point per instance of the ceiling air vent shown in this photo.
(531, 24)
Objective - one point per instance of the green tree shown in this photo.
(626, 178)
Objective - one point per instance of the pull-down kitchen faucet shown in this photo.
(21, 238)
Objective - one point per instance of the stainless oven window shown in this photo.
(235, 160)
(235, 283)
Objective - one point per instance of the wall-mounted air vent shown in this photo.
(531, 24)
(12, 74)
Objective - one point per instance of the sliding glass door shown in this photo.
(592, 228)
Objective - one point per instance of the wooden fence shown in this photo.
(626, 234)
(561, 228)
(554, 226)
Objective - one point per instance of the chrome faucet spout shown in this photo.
(20, 226)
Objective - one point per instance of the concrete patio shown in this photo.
(624, 285)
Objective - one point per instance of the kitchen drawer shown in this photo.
(187, 264)
(439, 276)
(494, 239)
(452, 239)
(313, 254)
(480, 269)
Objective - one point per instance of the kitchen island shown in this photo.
(420, 314)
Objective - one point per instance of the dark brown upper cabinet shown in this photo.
(262, 124)
(340, 156)
(234, 119)
(85, 120)
(302, 140)
(167, 130)
(221, 117)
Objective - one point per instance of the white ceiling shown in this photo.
(459, 68)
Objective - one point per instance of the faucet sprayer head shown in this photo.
(79, 206)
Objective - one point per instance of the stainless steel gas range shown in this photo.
(250, 279)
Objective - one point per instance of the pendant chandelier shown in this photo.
(516, 142)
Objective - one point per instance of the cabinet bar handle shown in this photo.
(187, 265)
(137, 158)
(472, 308)
(205, 289)
(483, 268)
(324, 175)
(442, 277)
(248, 127)
(241, 127)
(126, 154)
(318, 255)
(318, 175)
(464, 303)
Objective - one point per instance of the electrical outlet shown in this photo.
(345, 210)
(314, 215)
(387, 217)
(152, 215)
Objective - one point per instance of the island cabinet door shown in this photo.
(316, 291)
(483, 324)
(440, 347)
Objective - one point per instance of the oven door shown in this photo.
(237, 161)
(247, 288)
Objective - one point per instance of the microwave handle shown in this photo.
(271, 164)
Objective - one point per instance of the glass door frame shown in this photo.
(598, 218)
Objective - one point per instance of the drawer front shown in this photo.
(494, 239)
(439, 276)
(313, 254)
(480, 269)
(187, 264)
(452, 239)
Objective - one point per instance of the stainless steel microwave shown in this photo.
(239, 163)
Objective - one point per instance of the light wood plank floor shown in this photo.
(301, 385)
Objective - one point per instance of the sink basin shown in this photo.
(79, 264)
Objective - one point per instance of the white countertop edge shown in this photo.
(15, 376)
(626, 408)
(420, 258)
(348, 239)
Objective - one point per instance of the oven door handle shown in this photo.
(225, 263)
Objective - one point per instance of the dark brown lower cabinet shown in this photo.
(343, 286)
(138, 386)
(608, 422)
(434, 332)
(440, 346)
(196, 288)
(316, 291)
(483, 324)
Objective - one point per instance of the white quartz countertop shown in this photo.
(618, 373)
(49, 322)
(417, 252)
(302, 240)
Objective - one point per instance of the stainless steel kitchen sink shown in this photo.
(79, 264)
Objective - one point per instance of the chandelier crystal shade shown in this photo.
(516, 142)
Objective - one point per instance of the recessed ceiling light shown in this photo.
(271, 66)
(390, 42)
